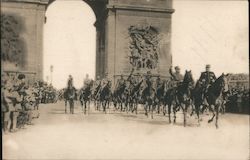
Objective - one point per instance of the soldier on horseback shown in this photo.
(98, 81)
(86, 81)
(206, 79)
(70, 95)
(120, 83)
(176, 78)
(96, 86)
(70, 81)
(159, 81)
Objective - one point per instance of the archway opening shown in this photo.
(69, 43)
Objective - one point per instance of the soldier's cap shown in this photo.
(208, 66)
(177, 68)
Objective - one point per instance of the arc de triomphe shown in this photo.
(130, 34)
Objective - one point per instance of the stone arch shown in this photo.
(113, 19)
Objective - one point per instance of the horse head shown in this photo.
(188, 78)
(221, 84)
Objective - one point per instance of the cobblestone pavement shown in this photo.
(116, 135)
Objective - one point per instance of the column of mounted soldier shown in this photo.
(153, 93)
(20, 100)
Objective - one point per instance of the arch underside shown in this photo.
(99, 9)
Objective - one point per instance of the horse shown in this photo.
(160, 95)
(214, 96)
(96, 96)
(134, 96)
(105, 96)
(198, 99)
(169, 99)
(126, 97)
(183, 94)
(85, 96)
(148, 96)
(118, 96)
(70, 96)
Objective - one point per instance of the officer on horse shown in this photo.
(120, 82)
(177, 79)
(70, 95)
(86, 81)
(148, 79)
(70, 81)
(176, 76)
(207, 77)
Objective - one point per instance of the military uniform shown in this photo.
(159, 82)
(120, 82)
(176, 76)
(86, 81)
(148, 80)
(13, 99)
(70, 82)
(207, 77)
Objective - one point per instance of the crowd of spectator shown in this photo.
(238, 100)
(20, 100)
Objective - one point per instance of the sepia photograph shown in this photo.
(125, 80)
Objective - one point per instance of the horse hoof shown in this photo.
(209, 121)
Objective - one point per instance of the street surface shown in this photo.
(116, 135)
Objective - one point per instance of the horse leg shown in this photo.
(152, 111)
(217, 116)
(82, 105)
(169, 113)
(88, 106)
(164, 109)
(210, 120)
(158, 108)
(121, 107)
(174, 110)
(136, 107)
(85, 106)
(65, 106)
(193, 110)
(145, 108)
(197, 113)
(184, 108)
(223, 107)
(105, 106)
